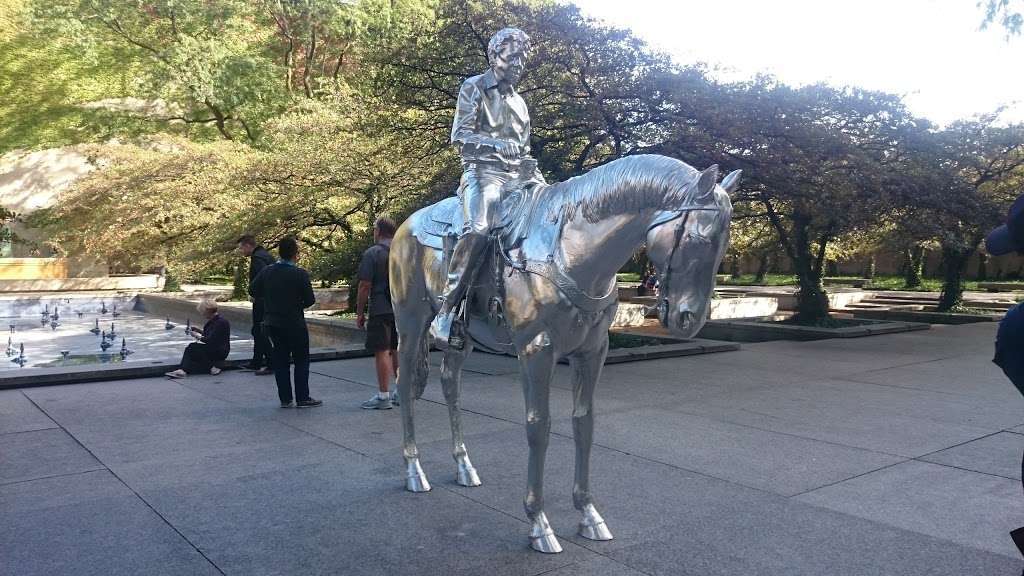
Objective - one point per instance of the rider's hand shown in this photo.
(509, 151)
(361, 321)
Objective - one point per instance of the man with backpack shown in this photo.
(375, 290)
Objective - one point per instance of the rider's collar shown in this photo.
(491, 82)
(286, 262)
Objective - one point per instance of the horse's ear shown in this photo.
(731, 182)
(706, 183)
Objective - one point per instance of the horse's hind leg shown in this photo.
(586, 369)
(451, 382)
(537, 362)
(413, 371)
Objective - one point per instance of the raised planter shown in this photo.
(135, 282)
(929, 316)
(1000, 286)
(30, 377)
(767, 330)
(323, 332)
(721, 308)
(855, 282)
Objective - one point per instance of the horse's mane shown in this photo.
(629, 184)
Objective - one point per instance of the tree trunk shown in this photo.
(763, 264)
(734, 267)
(833, 268)
(954, 261)
(914, 260)
(869, 268)
(812, 300)
(982, 266)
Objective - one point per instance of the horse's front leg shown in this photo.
(451, 382)
(537, 363)
(413, 371)
(586, 369)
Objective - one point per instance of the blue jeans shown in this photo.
(291, 344)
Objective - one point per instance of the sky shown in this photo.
(929, 51)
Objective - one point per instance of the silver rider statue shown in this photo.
(492, 134)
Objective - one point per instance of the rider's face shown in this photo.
(509, 62)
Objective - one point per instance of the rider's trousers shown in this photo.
(481, 209)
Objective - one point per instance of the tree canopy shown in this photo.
(312, 117)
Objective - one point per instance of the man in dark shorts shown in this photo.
(259, 259)
(287, 292)
(375, 289)
(1010, 338)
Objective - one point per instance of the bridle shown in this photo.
(683, 215)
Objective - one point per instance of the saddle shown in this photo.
(440, 230)
(445, 219)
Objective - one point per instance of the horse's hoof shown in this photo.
(546, 543)
(592, 527)
(467, 476)
(542, 537)
(415, 479)
(595, 531)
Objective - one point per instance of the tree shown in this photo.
(817, 162)
(976, 169)
(1009, 14)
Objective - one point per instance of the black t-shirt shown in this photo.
(374, 269)
(1010, 346)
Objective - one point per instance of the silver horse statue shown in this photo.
(554, 295)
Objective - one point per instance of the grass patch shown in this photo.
(826, 322)
(620, 340)
(769, 280)
(879, 282)
(627, 277)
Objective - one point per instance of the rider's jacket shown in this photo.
(484, 116)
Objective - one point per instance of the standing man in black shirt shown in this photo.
(259, 259)
(287, 292)
(1009, 356)
(375, 289)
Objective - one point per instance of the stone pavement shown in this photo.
(891, 455)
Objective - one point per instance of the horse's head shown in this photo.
(686, 244)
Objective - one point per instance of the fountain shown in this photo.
(64, 354)
(54, 324)
(112, 334)
(188, 326)
(168, 325)
(103, 307)
(124, 348)
(10, 347)
(95, 329)
(104, 344)
(20, 360)
(115, 314)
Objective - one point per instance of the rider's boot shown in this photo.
(466, 257)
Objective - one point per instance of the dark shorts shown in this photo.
(380, 333)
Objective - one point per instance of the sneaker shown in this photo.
(394, 398)
(311, 403)
(214, 371)
(263, 371)
(286, 404)
(377, 403)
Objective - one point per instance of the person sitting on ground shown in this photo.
(212, 348)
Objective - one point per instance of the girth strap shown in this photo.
(550, 271)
